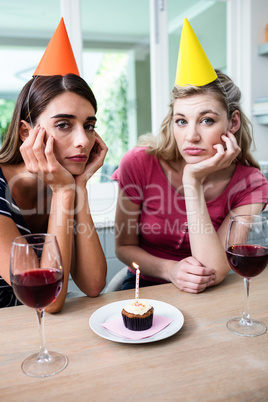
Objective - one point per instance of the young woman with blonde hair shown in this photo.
(177, 191)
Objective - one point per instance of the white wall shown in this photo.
(259, 12)
(246, 21)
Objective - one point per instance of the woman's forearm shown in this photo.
(61, 225)
(204, 241)
(89, 272)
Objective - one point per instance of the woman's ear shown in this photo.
(234, 123)
(24, 130)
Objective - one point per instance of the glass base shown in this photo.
(246, 327)
(34, 367)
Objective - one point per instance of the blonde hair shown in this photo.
(229, 95)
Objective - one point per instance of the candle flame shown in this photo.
(136, 266)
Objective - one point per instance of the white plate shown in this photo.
(113, 310)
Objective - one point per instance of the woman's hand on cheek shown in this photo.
(39, 158)
(95, 161)
(232, 148)
(225, 155)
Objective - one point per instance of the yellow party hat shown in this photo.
(58, 58)
(193, 68)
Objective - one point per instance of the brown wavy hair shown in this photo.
(32, 101)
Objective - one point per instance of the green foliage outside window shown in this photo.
(6, 110)
(110, 89)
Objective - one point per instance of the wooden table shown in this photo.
(201, 362)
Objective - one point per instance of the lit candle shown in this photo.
(137, 282)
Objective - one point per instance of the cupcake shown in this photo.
(138, 317)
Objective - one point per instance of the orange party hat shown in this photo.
(58, 58)
(193, 68)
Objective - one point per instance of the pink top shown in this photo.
(163, 220)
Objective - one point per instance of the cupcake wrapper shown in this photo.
(138, 324)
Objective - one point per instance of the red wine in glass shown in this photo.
(36, 275)
(247, 255)
(38, 288)
(247, 260)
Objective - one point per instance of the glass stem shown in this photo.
(43, 353)
(246, 315)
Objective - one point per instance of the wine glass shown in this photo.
(36, 277)
(247, 254)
